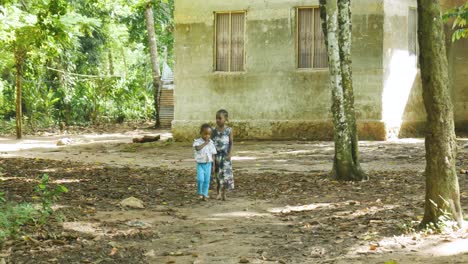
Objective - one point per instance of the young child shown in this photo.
(223, 140)
(204, 156)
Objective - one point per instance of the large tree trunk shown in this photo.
(19, 60)
(442, 191)
(154, 60)
(336, 23)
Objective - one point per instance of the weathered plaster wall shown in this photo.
(457, 53)
(271, 99)
(402, 109)
(414, 117)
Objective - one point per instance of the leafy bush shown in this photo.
(14, 217)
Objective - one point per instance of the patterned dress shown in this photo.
(223, 170)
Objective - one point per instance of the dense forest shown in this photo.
(79, 62)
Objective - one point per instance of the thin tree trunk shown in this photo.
(442, 191)
(65, 105)
(124, 61)
(19, 59)
(345, 40)
(111, 62)
(154, 60)
(336, 24)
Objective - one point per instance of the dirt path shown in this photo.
(284, 210)
(288, 156)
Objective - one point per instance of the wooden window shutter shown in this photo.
(237, 41)
(304, 38)
(230, 41)
(222, 42)
(320, 50)
(311, 49)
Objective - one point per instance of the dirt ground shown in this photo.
(284, 209)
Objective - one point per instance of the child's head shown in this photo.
(205, 131)
(221, 117)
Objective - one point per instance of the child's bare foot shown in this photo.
(200, 197)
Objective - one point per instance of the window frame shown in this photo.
(215, 13)
(297, 8)
(416, 42)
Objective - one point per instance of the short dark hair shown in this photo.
(204, 126)
(224, 113)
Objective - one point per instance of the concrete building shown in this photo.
(263, 61)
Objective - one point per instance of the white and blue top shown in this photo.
(205, 154)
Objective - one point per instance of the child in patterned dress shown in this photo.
(223, 140)
(204, 156)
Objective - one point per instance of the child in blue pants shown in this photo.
(204, 155)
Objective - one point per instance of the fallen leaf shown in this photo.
(113, 251)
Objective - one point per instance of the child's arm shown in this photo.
(213, 165)
(231, 144)
(199, 147)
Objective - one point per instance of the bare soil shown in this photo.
(285, 209)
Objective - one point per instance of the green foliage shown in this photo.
(14, 217)
(164, 26)
(408, 227)
(47, 197)
(83, 61)
(445, 222)
(459, 15)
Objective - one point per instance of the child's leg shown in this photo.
(200, 178)
(216, 173)
(206, 182)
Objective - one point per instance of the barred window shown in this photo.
(229, 41)
(311, 49)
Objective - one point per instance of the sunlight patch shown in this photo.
(68, 181)
(308, 207)
(397, 89)
(245, 214)
(243, 158)
(296, 152)
(96, 229)
(18, 178)
(49, 170)
(459, 246)
(83, 227)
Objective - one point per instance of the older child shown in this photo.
(223, 139)
(204, 156)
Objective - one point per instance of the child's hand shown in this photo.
(228, 157)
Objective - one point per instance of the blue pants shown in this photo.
(203, 178)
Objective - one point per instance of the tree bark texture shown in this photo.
(336, 24)
(442, 190)
(19, 61)
(111, 62)
(154, 60)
